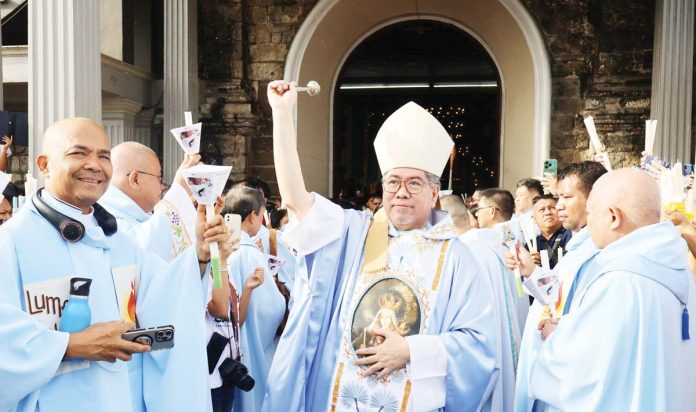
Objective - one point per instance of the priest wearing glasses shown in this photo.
(390, 311)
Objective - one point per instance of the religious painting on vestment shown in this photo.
(389, 304)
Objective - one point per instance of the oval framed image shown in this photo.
(387, 304)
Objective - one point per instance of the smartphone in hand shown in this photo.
(160, 337)
(234, 224)
(550, 167)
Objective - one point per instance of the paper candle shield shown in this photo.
(188, 137)
(207, 182)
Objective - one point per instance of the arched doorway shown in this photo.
(440, 67)
(334, 28)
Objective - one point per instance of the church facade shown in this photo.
(538, 67)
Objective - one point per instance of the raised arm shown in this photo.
(6, 144)
(282, 97)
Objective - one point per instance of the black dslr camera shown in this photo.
(231, 370)
(234, 372)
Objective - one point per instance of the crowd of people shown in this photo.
(571, 294)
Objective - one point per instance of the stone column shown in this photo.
(672, 78)
(2, 96)
(180, 75)
(118, 118)
(64, 65)
(143, 127)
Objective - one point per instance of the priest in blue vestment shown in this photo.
(390, 312)
(165, 227)
(61, 234)
(625, 344)
(574, 186)
(486, 245)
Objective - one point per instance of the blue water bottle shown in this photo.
(76, 314)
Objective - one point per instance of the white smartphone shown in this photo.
(234, 224)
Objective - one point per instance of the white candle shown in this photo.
(594, 137)
(30, 185)
(691, 201)
(545, 262)
(650, 129)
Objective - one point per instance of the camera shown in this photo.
(234, 372)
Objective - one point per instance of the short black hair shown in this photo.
(546, 196)
(243, 200)
(256, 182)
(276, 216)
(11, 191)
(532, 185)
(502, 199)
(586, 172)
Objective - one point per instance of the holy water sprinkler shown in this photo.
(312, 88)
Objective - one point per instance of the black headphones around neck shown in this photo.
(70, 229)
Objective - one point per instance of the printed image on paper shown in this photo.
(188, 137)
(206, 182)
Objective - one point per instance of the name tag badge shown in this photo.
(44, 302)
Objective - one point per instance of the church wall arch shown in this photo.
(335, 27)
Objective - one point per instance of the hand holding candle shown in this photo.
(207, 183)
(211, 230)
(598, 146)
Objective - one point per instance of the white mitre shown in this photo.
(4, 181)
(412, 137)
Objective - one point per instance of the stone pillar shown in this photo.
(2, 96)
(143, 127)
(64, 65)
(672, 78)
(180, 75)
(118, 118)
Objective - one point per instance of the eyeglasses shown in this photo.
(160, 177)
(485, 207)
(412, 186)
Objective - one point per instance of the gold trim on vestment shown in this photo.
(440, 263)
(334, 395)
(407, 393)
(376, 244)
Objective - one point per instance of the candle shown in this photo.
(30, 185)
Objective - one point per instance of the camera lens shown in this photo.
(234, 372)
(246, 383)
